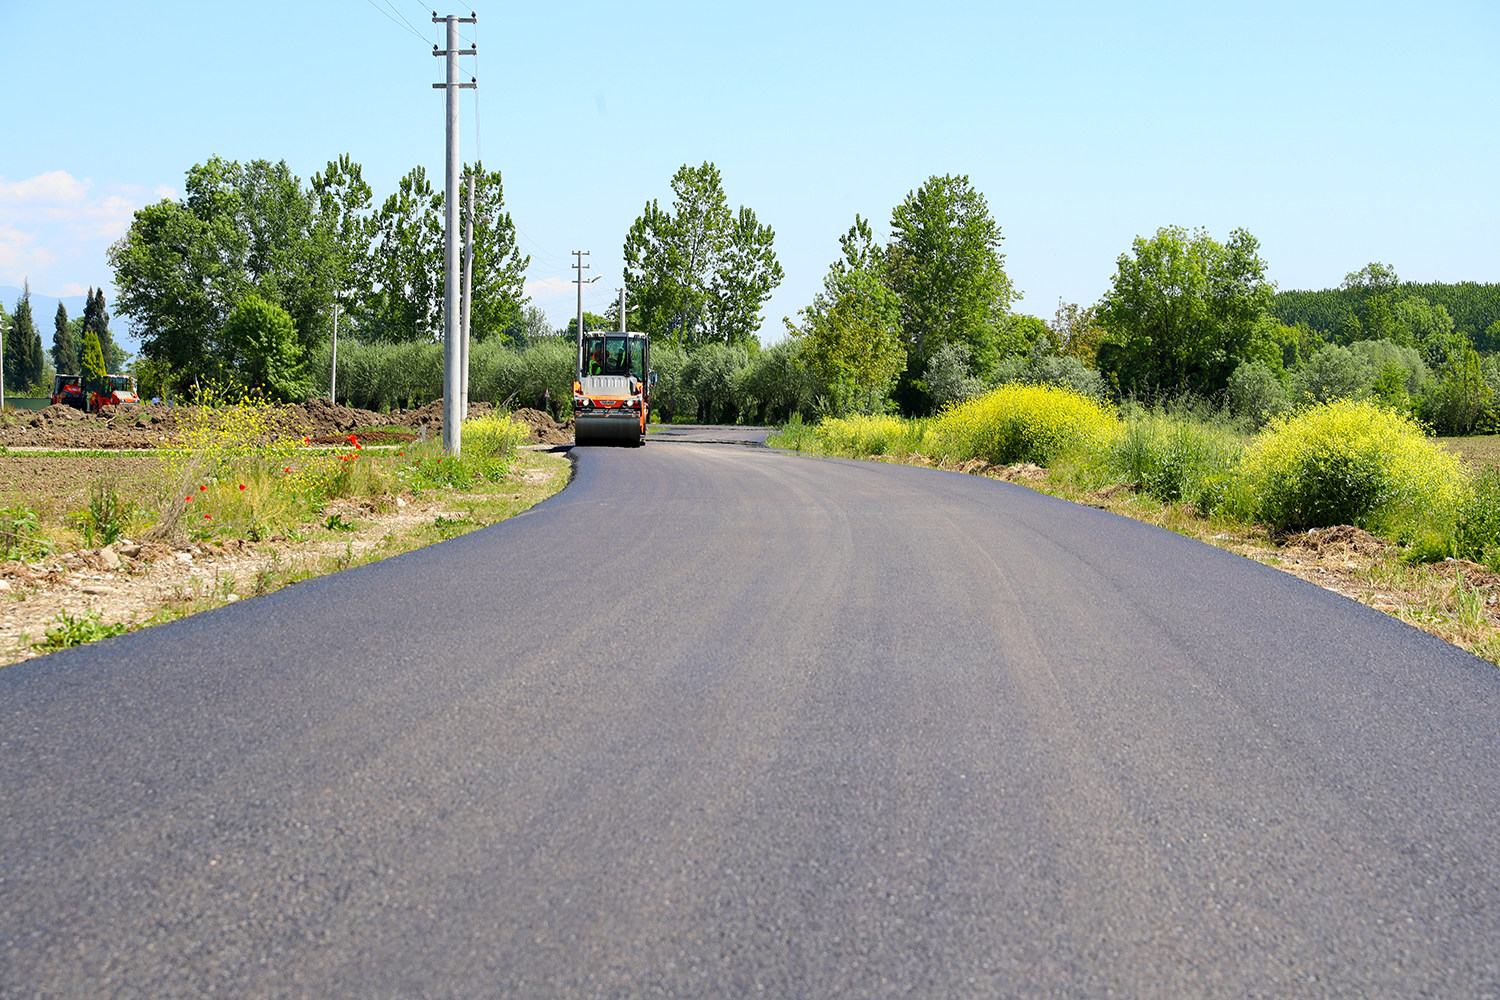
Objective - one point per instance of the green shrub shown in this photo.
(488, 446)
(861, 435)
(1255, 393)
(1349, 462)
(1476, 535)
(70, 631)
(1023, 423)
(108, 515)
(21, 535)
(794, 435)
(1175, 457)
(1333, 373)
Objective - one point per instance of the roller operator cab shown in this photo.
(612, 395)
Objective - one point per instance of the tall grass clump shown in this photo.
(1476, 535)
(861, 435)
(1352, 462)
(1174, 457)
(794, 435)
(1023, 423)
(488, 449)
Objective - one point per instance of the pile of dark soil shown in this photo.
(322, 421)
(147, 426)
(545, 430)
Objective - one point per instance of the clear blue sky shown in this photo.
(1337, 133)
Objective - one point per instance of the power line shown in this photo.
(403, 18)
(392, 18)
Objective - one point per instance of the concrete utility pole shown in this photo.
(580, 267)
(622, 310)
(468, 295)
(453, 382)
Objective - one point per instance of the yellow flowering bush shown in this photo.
(870, 435)
(1023, 423)
(1353, 462)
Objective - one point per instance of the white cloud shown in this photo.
(55, 229)
(56, 187)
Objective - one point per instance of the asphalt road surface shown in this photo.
(721, 722)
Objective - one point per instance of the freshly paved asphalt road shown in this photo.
(721, 722)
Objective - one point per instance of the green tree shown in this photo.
(96, 319)
(850, 336)
(1183, 311)
(498, 274)
(64, 344)
(23, 353)
(591, 321)
(170, 278)
(1463, 395)
(944, 262)
(405, 301)
(699, 273)
(265, 338)
(343, 225)
(1334, 372)
(183, 266)
(93, 363)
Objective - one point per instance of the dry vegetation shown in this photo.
(81, 592)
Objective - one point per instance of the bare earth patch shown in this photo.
(140, 584)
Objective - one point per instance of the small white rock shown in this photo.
(4, 586)
(231, 598)
(184, 557)
(400, 502)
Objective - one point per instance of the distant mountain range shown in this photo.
(44, 309)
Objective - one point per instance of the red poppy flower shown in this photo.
(202, 488)
(242, 485)
(289, 468)
(188, 498)
(208, 517)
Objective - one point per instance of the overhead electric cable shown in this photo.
(393, 19)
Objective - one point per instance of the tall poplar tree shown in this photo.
(64, 345)
(699, 272)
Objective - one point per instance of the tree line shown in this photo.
(239, 279)
(29, 367)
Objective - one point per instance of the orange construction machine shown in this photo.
(612, 395)
(68, 390)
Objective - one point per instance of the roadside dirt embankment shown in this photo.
(154, 425)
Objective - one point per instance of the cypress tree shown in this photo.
(93, 362)
(97, 320)
(64, 346)
(18, 341)
(38, 361)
